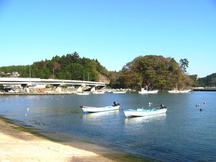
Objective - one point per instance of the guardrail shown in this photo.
(36, 81)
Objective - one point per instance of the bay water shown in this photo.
(184, 133)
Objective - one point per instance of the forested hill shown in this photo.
(69, 66)
(154, 72)
(208, 81)
(149, 71)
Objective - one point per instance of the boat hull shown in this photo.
(98, 92)
(144, 91)
(83, 93)
(119, 92)
(179, 91)
(88, 109)
(148, 92)
(144, 112)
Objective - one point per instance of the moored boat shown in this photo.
(91, 109)
(144, 91)
(179, 91)
(144, 112)
(83, 93)
(98, 92)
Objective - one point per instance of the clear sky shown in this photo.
(112, 31)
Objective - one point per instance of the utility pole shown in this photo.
(30, 74)
(53, 73)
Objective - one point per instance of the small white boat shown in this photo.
(83, 93)
(90, 109)
(179, 91)
(144, 91)
(98, 92)
(144, 112)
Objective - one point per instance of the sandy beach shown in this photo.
(20, 145)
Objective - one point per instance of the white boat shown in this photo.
(179, 91)
(144, 112)
(98, 92)
(83, 93)
(144, 91)
(90, 109)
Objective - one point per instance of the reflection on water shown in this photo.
(182, 134)
(134, 120)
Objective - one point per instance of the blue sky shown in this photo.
(112, 31)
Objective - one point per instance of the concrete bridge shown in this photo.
(25, 82)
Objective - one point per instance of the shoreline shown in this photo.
(21, 143)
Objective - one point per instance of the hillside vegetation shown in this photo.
(69, 66)
(153, 72)
(150, 71)
(208, 81)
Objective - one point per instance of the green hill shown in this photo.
(69, 66)
(151, 71)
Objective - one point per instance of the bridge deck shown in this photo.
(36, 81)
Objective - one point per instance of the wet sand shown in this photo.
(21, 144)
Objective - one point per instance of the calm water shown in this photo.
(184, 134)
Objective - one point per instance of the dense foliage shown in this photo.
(150, 72)
(153, 72)
(208, 81)
(69, 66)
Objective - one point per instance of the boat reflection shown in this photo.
(133, 120)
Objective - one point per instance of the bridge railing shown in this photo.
(48, 81)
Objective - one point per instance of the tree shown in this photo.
(154, 72)
(183, 63)
(209, 80)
